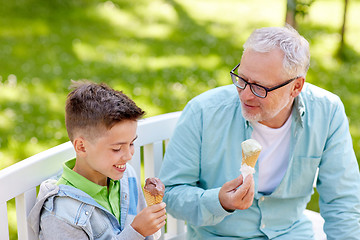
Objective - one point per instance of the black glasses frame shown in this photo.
(234, 75)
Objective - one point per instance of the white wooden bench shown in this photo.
(20, 180)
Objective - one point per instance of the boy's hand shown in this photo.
(150, 219)
(237, 194)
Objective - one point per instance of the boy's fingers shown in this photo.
(158, 213)
(161, 205)
(162, 218)
(158, 207)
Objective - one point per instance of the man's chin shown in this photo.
(251, 117)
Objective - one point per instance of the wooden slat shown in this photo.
(171, 225)
(318, 224)
(162, 237)
(158, 157)
(136, 162)
(166, 141)
(181, 227)
(181, 236)
(153, 154)
(316, 177)
(21, 217)
(149, 166)
(175, 226)
(4, 227)
(24, 203)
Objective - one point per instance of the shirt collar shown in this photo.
(82, 183)
(299, 110)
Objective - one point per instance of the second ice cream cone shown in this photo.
(250, 160)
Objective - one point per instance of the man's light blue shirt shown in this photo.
(205, 152)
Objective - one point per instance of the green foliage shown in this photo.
(161, 53)
(302, 7)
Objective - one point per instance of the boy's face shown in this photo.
(107, 156)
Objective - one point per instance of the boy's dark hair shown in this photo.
(91, 107)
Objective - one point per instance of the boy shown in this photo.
(97, 196)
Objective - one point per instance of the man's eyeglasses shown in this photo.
(256, 89)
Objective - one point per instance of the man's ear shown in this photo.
(80, 146)
(297, 87)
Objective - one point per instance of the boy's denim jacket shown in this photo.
(65, 212)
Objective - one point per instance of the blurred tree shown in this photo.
(343, 28)
(295, 9)
(290, 13)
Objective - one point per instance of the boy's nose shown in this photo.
(128, 155)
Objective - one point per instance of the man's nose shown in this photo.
(246, 93)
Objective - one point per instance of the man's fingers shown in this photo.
(233, 184)
(247, 186)
(249, 196)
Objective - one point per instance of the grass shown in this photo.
(161, 53)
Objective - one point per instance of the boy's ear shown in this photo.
(79, 146)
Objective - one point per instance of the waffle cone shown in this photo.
(251, 159)
(152, 199)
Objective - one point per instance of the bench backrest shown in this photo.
(20, 180)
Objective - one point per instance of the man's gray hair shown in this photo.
(295, 47)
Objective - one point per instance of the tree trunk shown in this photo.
(342, 42)
(291, 13)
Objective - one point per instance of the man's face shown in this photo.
(107, 156)
(265, 69)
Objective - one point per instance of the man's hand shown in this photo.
(150, 219)
(232, 197)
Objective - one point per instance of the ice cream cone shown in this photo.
(152, 199)
(153, 191)
(250, 160)
(250, 152)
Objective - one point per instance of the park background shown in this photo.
(161, 53)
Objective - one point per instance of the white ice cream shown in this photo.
(250, 146)
(246, 170)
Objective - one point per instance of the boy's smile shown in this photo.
(121, 167)
(107, 155)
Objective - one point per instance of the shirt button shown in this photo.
(262, 199)
(86, 213)
(125, 197)
(263, 226)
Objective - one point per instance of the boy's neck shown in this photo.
(78, 168)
